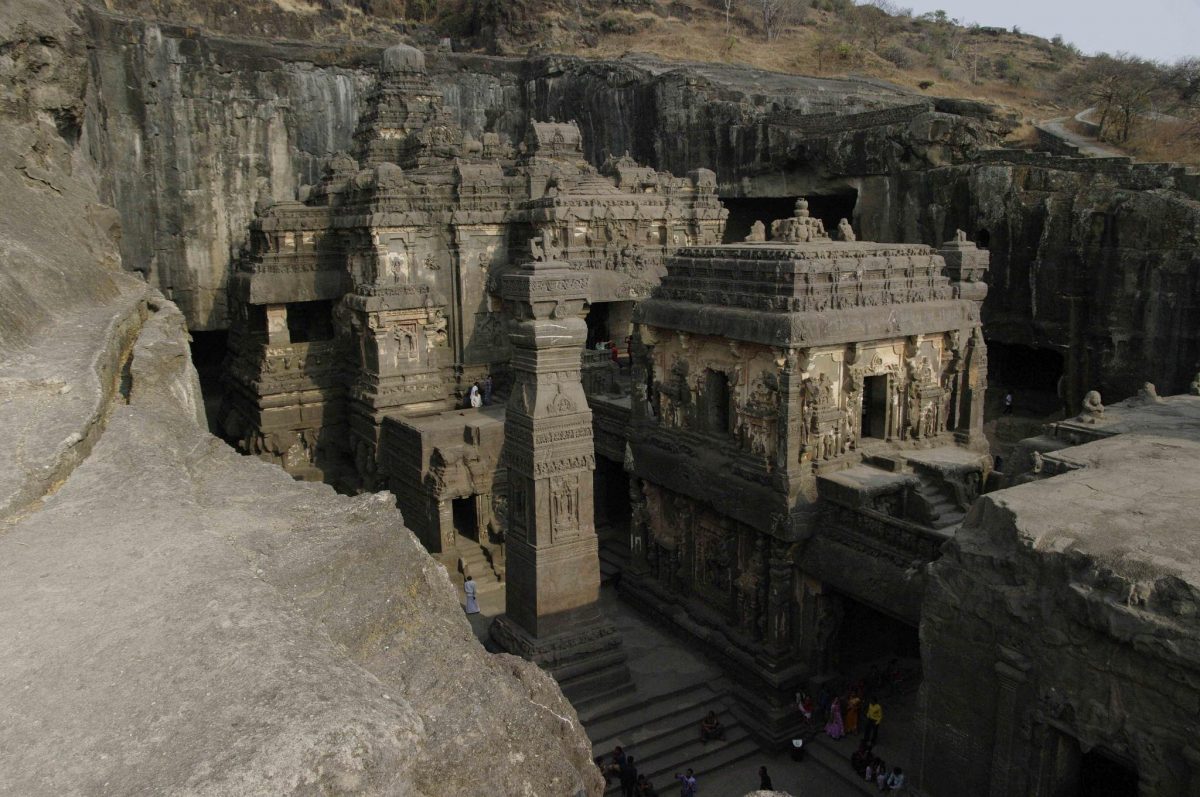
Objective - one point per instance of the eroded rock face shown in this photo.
(1098, 239)
(1048, 636)
(182, 619)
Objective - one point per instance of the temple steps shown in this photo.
(473, 560)
(662, 732)
(835, 757)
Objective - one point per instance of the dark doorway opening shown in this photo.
(466, 521)
(597, 324)
(208, 355)
(310, 321)
(610, 321)
(874, 407)
(983, 238)
(716, 401)
(610, 485)
(744, 211)
(868, 635)
(832, 208)
(1103, 775)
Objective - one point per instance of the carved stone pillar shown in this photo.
(553, 564)
(966, 266)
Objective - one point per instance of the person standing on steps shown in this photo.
(472, 603)
(764, 780)
(475, 398)
(629, 777)
(874, 718)
(687, 784)
(1008, 402)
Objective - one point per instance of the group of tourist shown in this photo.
(843, 712)
(874, 769)
(621, 767)
(480, 394)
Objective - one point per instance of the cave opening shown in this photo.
(208, 356)
(1029, 373)
(881, 650)
(744, 211)
(1104, 775)
(833, 207)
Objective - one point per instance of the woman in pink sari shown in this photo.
(834, 728)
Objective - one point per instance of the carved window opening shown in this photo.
(310, 321)
(874, 407)
(717, 402)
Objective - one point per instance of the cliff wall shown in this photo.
(1091, 258)
(177, 618)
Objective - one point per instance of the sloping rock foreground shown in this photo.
(178, 619)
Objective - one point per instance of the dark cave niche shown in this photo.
(208, 355)
(830, 208)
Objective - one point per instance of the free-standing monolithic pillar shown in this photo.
(553, 563)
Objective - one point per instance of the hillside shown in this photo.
(1035, 78)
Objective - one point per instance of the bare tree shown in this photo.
(777, 14)
(729, 4)
(1123, 88)
(875, 21)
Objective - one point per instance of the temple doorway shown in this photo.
(466, 519)
(610, 485)
(874, 407)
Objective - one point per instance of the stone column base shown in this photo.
(587, 661)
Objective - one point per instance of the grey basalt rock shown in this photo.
(178, 619)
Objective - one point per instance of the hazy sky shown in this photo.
(1161, 29)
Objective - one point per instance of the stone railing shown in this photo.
(877, 534)
(599, 374)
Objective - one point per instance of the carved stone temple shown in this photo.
(775, 434)
(806, 431)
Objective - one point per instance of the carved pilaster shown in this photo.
(1010, 675)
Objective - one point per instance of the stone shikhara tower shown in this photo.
(553, 565)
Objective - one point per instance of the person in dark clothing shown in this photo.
(764, 780)
(644, 788)
(629, 777)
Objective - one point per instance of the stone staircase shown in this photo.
(937, 505)
(477, 561)
(662, 732)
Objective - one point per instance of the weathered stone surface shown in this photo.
(178, 618)
(1061, 619)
